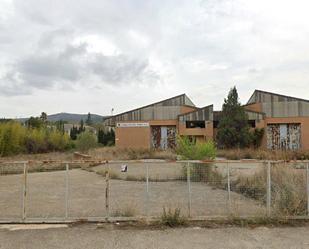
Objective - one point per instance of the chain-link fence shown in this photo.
(98, 190)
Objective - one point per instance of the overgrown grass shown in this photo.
(11, 169)
(261, 154)
(123, 176)
(288, 189)
(113, 153)
(172, 217)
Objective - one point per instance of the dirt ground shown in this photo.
(91, 237)
(46, 195)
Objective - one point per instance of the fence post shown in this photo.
(307, 174)
(228, 187)
(189, 189)
(147, 190)
(24, 214)
(107, 193)
(268, 192)
(66, 191)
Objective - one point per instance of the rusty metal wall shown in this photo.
(201, 114)
(286, 109)
(276, 105)
(251, 115)
(164, 110)
(284, 136)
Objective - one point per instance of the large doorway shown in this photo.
(283, 136)
(163, 137)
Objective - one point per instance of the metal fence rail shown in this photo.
(98, 190)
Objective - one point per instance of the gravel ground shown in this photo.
(46, 195)
(91, 237)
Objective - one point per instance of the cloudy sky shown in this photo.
(90, 56)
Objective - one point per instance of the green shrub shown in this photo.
(36, 141)
(192, 150)
(86, 141)
(12, 137)
(59, 141)
(15, 138)
(172, 218)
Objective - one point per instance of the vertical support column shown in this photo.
(228, 188)
(307, 176)
(107, 193)
(24, 213)
(66, 191)
(147, 190)
(189, 189)
(268, 192)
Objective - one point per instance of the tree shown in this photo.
(89, 120)
(86, 141)
(233, 128)
(34, 122)
(81, 127)
(74, 132)
(60, 125)
(43, 117)
(106, 137)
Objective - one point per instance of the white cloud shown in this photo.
(130, 54)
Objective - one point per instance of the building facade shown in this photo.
(285, 120)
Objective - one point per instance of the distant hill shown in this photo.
(71, 117)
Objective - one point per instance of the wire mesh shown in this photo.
(167, 188)
(127, 189)
(288, 189)
(86, 191)
(248, 183)
(45, 192)
(145, 188)
(209, 193)
(11, 190)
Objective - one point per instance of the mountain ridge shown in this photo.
(71, 117)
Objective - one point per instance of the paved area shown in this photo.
(90, 237)
(46, 196)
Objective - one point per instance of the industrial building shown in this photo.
(284, 118)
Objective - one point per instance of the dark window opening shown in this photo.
(216, 123)
(251, 123)
(195, 124)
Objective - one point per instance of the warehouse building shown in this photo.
(284, 118)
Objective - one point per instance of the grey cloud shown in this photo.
(68, 67)
(118, 69)
(10, 85)
(43, 71)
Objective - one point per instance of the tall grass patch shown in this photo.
(288, 189)
(192, 150)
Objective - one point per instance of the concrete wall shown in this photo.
(133, 137)
(138, 137)
(207, 132)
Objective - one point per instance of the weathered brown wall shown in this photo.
(138, 137)
(132, 137)
(206, 132)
